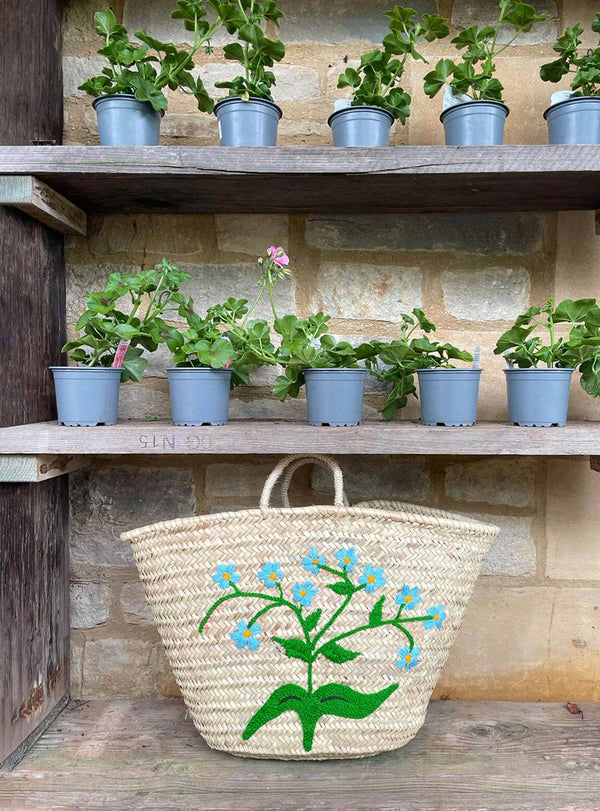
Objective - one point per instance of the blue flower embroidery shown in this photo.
(226, 575)
(313, 560)
(246, 637)
(372, 578)
(304, 593)
(270, 574)
(408, 658)
(438, 615)
(347, 558)
(408, 597)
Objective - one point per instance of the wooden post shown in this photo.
(34, 609)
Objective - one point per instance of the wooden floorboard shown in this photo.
(469, 756)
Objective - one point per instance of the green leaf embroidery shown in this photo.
(342, 588)
(311, 622)
(336, 653)
(376, 614)
(295, 648)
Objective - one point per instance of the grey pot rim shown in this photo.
(229, 99)
(345, 369)
(346, 110)
(553, 107)
(103, 369)
(475, 101)
(537, 370)
(128, 96)
(205, 370)
(456, 371)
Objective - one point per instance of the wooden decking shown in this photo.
(145, 755)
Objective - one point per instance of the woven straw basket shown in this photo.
(309, 633)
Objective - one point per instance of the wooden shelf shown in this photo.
(242, 436)
(141, 755)
(314, 179)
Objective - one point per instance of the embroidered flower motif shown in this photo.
(304, 593)
(226, 575)
(372, 578)
(408, 658)
(313, 560)
(347, 558)
(246, 637)
(278, 256)
(438, 615)
(408, 597)
(270, 574)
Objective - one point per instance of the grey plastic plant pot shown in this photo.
(125, 121)
(360, 126)
(334, 396)
(538, 397)
(199, 396)
(247, 123)
(86, 395)
(475, 123)
(574, 121)
(449, 396)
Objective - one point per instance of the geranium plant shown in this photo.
(146, 68)
(584, 66)
(255, 52)
(376, 82)
(397, 362)
(106, 326)
(574, 346)
(474, 73)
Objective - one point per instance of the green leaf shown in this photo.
(343, 588)
(436, 79)
(312, 620)
(522, 17)
(554, 71)
(295, 648)
(569, 310)
(133, 364)
(287, 697)
(376, 614)
(336, 653)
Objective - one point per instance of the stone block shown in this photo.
(577, 256)
(513, 552)
(110, 500)
(76, 674)
(509, 481)
(573, 494)
(251, 234)
(485, 233)
(158, 235)
(466, 13)
(138, 402)
(490, 294)
(293, 82)
(77, 70)
(237, 479)
(89, 604)
(337, 21)
(402, 478)
(134, 606)
(118, 668)
(384, 291)
(195, 129)
(154, 16)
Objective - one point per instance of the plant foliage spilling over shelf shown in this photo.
(584, 66)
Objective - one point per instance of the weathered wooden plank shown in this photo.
(315, 179)
(37, 199)
(241, 436)
(34, 609)
(468, 755)
(19, 468)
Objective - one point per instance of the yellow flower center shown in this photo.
(303, 592)
(408, 658)
(346, 560)
(436, 617)
(371, 578)
(273, 576)
(408, 599)
(247, 633)
(226, 576)
(316, 561)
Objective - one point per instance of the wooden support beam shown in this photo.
(21, 468)
(35, 198)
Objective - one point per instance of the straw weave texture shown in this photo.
(224, 686)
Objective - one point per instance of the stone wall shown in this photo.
(533, 629)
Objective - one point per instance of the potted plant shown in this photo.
(377, 97)
(448, 395)
(476, 114)
(128, 94)
(112, 344)
(576, 118)
(540, 396)
(218, 352)
(249, 116)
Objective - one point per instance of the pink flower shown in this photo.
(278, 256)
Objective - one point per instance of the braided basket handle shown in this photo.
(289, 473)
(297, 460)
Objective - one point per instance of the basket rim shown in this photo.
(184, 525)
